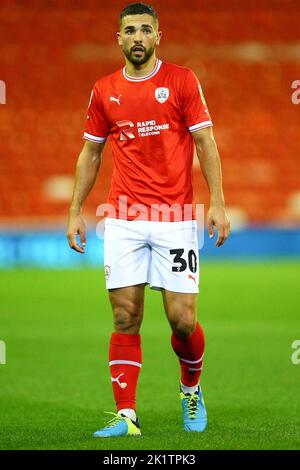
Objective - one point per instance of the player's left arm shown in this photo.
(210, 163)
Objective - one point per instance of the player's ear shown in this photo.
(119, 39)
(158, 37)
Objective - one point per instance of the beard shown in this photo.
(139, 60)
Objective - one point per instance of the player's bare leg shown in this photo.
(181, 311)
(125, 359)
(187, 338)
(188, 343)
(128, 308)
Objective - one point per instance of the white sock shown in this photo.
(128, 412)
(190, 390)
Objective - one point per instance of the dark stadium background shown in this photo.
(54, 314)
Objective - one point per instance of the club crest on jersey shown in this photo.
(162, 94)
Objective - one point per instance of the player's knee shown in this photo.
(183, 322)
(127, 316)
(184, 328)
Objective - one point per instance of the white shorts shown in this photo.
(162, 254)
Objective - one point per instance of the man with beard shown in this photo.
(154, 113)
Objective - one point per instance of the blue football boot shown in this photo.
(194, 412)
(118, 426)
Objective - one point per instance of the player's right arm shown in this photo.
(87, 168)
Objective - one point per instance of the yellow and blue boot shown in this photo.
(194, 412)
(119, 425)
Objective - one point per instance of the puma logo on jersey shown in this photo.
(116, 379)
(117, 100)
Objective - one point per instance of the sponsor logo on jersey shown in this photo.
(151, 128)
(162, 94)
(126, 134)
(144, 128)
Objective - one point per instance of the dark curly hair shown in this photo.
(138, 9)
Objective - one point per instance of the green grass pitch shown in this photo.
(55, 384)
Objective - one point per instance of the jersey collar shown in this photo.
(146, 77)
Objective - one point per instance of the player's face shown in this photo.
(138, 37)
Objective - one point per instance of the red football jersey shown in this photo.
(149, 121)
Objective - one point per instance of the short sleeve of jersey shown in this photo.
(194, 107)
(97, 126)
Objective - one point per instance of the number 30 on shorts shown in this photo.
(180, 259)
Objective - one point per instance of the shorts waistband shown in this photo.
(150, 223)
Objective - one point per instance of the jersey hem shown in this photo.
(193, 290)
(119, 285)
(124, 222)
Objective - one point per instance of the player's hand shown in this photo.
(76, 226)
(217, 217)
